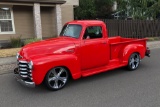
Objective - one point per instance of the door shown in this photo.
(94, 49)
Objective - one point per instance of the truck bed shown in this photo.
(118, 43)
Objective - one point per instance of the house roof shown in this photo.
(37, 1)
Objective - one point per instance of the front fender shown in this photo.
(132, 48)
(44, 64)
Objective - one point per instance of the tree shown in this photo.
(141, 9)
(91, 9)
(154, 9)
(86, 10)
(104, 8)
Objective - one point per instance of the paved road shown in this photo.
(8, 60)
(118, 88)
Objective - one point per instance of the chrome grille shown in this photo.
(24, 70)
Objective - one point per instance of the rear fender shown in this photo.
(132, 48)
(45, 64)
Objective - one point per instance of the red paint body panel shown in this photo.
(81, 57)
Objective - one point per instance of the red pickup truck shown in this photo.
(82, 49)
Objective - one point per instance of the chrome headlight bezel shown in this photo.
(30, 65)
(17, 56)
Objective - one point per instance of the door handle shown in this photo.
(104, 42)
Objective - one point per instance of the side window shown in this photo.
(93, 32)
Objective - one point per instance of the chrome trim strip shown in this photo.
(20, 65)
(24, 73)
(25, 83)
(24, 76)
(23, 69)
(23, 62)
(30, 71)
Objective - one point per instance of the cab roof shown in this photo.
(86, 22)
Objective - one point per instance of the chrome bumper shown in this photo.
(25, 83)
(19, 79)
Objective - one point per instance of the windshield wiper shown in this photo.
(69, 36)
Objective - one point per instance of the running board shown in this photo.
(100, 70)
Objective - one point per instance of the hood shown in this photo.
(60, 45)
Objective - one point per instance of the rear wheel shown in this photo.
(57, 78)
(134, 61)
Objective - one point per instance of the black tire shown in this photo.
(57, 78)
(134, 61)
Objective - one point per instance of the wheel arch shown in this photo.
(69, 71)
(130, 49)
(70, 62)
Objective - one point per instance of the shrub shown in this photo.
(153, 38)
(27, 41)
(16, 41)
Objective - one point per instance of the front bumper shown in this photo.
(25, 83)
(21, 81)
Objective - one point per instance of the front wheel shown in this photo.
(57, 78)
(134, 61)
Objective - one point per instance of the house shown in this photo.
(34, 18)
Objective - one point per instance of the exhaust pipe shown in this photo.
(148, 52)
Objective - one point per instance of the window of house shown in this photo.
(93, 32)
(6, 21)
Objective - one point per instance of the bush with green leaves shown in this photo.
(28, 41)
(16, 41)
(153, 38)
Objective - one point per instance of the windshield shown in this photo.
(71, 30)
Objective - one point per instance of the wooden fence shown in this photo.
(133, 28)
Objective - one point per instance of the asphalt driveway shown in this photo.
(117, 88)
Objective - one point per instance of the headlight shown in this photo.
(30, 65)
(17, 56)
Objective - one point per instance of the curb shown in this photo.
(7, 60)
(7, 68)
(153, 45)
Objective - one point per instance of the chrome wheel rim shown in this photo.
(134, 61)
(57, 77)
